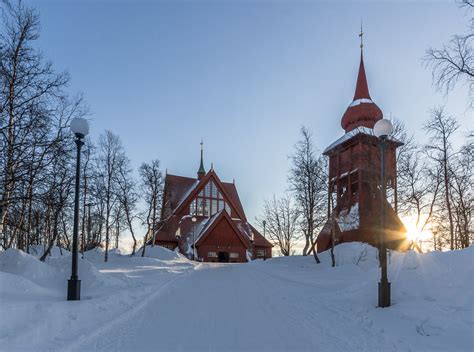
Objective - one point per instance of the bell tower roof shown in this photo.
(362, 112)
(362, 88)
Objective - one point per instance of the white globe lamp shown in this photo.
(383, 128)
(80, 127)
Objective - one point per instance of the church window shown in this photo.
(209, 201)
(212, 254)
(192, 207)
(233, 255)
(260, 252)
(207, 209)
(214, 206)
(214, 190)
(207, 189)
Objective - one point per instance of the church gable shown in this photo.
(223, 232)
(208, 197)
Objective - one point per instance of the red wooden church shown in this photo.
(220, 231)
(354, 178)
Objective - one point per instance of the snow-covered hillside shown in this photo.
(165, 302)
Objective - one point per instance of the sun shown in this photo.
(413, 233)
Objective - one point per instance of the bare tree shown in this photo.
(152, 188)
(128, 198)
(462, 195)
(281, 223)
(59, 194)
(454, 62)
(111, 155)
(35, 140)
(308, 183)
(419, 187)
(441, 129)
(30, 88)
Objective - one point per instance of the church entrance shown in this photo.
(223, 257)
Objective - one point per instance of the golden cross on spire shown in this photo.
(361, 35)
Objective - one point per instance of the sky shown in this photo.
(244, 76)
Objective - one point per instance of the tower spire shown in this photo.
(362, 111)
(362, 88)
(201, 172)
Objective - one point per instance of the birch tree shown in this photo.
(281, 223)
(308, 184)
(152, 190)
(110, 157)
(441, 128)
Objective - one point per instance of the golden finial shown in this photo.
(361, 35)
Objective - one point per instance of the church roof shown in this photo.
(362, 112)
(179, 188)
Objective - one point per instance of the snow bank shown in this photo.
(38, 250)
(26, 266)
(346, 254)
(159, 252)
(51, 275)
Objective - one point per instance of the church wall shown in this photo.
(222, 239)
(261, 253)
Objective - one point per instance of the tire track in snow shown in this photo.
(127, 316)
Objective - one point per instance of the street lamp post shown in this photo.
(382, 129)
(194, 219)
(264, 236)
(80, 128)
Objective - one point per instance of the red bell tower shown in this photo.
(354, 178)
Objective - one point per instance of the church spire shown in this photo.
(362, 88)
(201, 172)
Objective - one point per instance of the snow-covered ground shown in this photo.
(166, 303)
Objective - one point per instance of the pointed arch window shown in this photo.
(209, 201)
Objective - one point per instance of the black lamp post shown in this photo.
(382, 129)
(194, 219)
(80, 128)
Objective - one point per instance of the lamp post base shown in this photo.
(73, 290)
(384, 294)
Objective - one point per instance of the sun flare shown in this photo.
(413, 232)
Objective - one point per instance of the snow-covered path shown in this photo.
(283, 304)
(229, 307)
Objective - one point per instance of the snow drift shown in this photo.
(159, 252)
